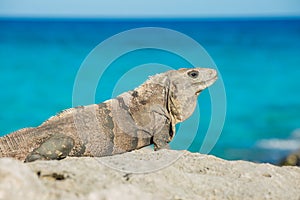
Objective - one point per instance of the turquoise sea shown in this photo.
(259, 61)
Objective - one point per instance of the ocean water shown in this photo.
(258, 59)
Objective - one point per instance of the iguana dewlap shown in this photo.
(146, 115)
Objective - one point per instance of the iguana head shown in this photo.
(173, 93)
(184, 87)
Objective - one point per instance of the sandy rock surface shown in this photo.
(145, 174)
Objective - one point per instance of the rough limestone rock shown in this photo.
(18, 182)
(292, 159)
(145, 174)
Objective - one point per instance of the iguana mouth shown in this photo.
(198, 92)
(206, 84)
(211, 81)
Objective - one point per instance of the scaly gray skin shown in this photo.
(146, 115)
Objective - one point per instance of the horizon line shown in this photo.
(277, 17)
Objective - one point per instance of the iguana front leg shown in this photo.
(57, 147)
(163, 134)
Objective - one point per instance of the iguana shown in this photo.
(141, 117)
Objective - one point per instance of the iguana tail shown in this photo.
(16, 144)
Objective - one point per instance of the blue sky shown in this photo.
(149, 8)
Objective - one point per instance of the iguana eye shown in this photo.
(193, 74)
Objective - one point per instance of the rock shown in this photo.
(293, 159)
(145, 174)
(18, 182)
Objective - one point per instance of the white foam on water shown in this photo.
(291, 144)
